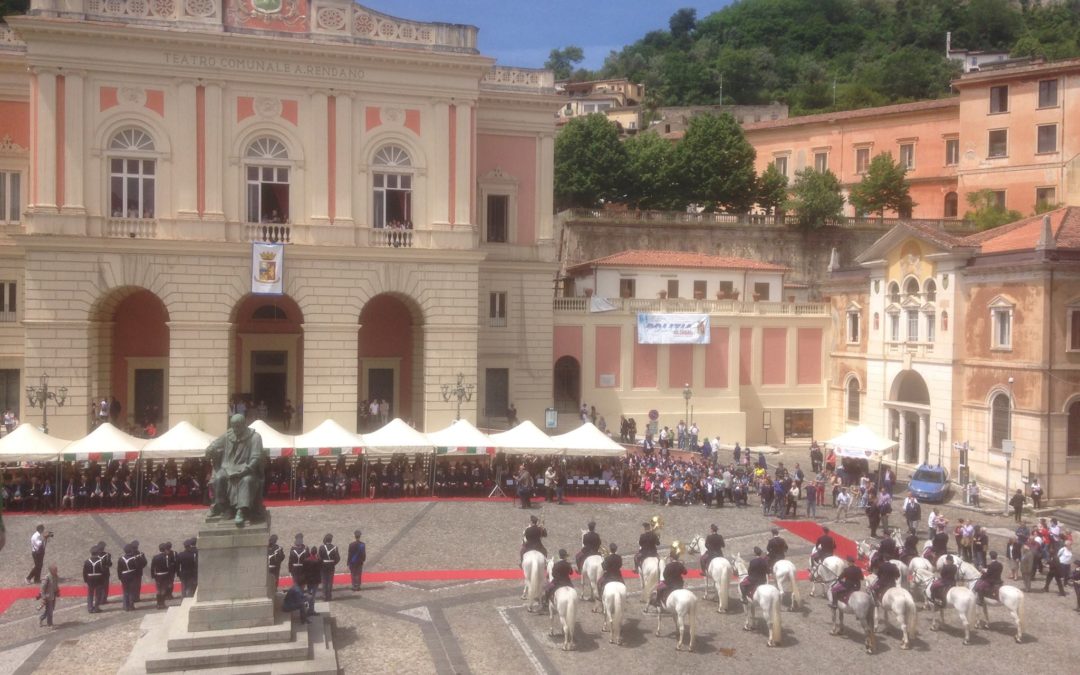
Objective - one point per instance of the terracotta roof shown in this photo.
(1023, 235)
(936, 234)
(898, 109)
(668, 259)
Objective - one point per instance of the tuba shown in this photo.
(657, 523)
(677, 548)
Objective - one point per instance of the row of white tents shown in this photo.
(27, 443)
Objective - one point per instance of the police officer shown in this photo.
(170, 557)
(107, 562)
(590, 545)
(648, 542)
(94, 575)
(130, 574)
(612, 567)
(142, 564)
(674, 572)
(329, 557)
(849, 581)
(275, 555)
(714, 547)
(757, 573)
(776, 548)
(824, 547)
(532, 537)
(560, 577)
(159, 572)
(990, 581)
(357, 557)
(187, 568)
(296, 560)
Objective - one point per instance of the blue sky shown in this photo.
(521, 33)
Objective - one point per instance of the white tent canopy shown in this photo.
(587, 440)
(396, 436)
(525, 438)
(27, 443)
(861, 443)
(182, 441)
(106, 443)
(273, 441)
(329, 435)
(461, 437)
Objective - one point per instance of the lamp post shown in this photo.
(39, 397)
(687, 394)
(461, 392)
(940, 439)
(1007, 448)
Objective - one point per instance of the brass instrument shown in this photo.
(604, 551)
(677, 548)
(657, 523)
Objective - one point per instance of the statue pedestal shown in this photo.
(234, 589)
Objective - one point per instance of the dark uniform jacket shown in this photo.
(948, 573)
(852, 577)
(992, 575)
(674, 572)
(647, 543)
(776, 548)
(560, 574)
(533, 538)
(275, 555)
(826, 546)
(612, 567)
(170, 558)
(187, 565)
(590, 542)
(357, 554)
(714, 544)
(888, 549)
(159, 567)
(329, 556)
(94, 571)
(757, 572)
(128, 568)
(940, 543)
(312, 569)
(296, 559)
(888, 575)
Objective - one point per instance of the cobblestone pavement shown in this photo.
(479, 625)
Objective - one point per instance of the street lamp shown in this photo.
(39, 397)
(940, 439)
(461, 392)
(687, 394)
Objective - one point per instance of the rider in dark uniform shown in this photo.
(946, 580)
(532, 537)
(824, 547)
(714, 548)
(939, 543)
(911, 549)
(560, 576)
(674, 572)
(648, 542)
(590, 545)
(888, 548)
(757, 573)
(849, 581)
(776, 548)
(612, 567)
(887, 576)
(990, 581)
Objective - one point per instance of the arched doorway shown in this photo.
(390, 361)
(911, 403)
(131, 358)
(267, 360)
(567, 385)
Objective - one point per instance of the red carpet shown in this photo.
(810, 531)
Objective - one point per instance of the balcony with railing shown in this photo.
(586, 305)
(749, 219)
(131, 228)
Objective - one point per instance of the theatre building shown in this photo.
(289, 200)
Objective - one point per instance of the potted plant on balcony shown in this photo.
(757, 297)
(727, 295)
(589, 292)
(663, 295)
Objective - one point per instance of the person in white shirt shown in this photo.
(843, 503)
(37, 552)
(1059, 570)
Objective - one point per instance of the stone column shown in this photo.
(545, 176)
(330, 374)
(924, 424)
(74, 118)
(901, 450)
(215, 153)
(198, 387)
(343, 206)
(438, 175)
(464, 186)
(185, 199)
(316, 159)
(43, 193)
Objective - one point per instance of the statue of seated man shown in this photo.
(237, 457)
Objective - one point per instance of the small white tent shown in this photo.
(328, 439)
(27, 443)
(182, 441)
(861, 443)
(527, 439)
(587, 440)
(396, 436)
(275, 443)
(104, 444)
(461, 438)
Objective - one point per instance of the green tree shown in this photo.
(9, 7)
(590, 162)
(682, 22)
(772, 189)
(987, 212)
(882, 188)
(649, 183)
(715, 164)
(562, 61)
(815, 198)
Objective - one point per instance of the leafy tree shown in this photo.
(590, 162)
(882, 188)
(562, 61)
(682, 22)
(772, 188)
(649, 179)
(715, 164)
(986, 212)
(13, 7)
(815, 198)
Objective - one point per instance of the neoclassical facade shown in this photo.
(146, 145)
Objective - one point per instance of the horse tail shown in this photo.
(615, 608)
(570, 616)
(775, 630)
(795, 599)
(912, 618)
(536, 581)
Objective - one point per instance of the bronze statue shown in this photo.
(237, 479)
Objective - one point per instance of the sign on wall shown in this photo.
(673, 329)
(267, 268)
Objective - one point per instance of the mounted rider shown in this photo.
(648, 543)
(988, 584)
(849, 581)
(911, 548)
(674, 572)
(888, 576)
(939, 543)
(714, 547)
(612, 567)
(532, 537)
(886, 552)
(946, 580)
(776, 548)
(590, 545)
(561, 572)
(824, 547)
(757, 573)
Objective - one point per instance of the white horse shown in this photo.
(681, 604)
(922, 574)
(1009, 597)
(826, 573)
(590, 577)
(650, 577)
(717, 574)
(766, 598)
(533, 564)
(963, 601)
(614, 601)
(562, 611)
(861, 605)
(897, 602)
(784, 574)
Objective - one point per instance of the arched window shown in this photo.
(894, 292)
(911, 286)
(270, 313)
(132, 168)
(853, 399)
(267, 165)
(952, 205)
(1072, 447)
(1000, 420)
(392, 188)
(930, 289)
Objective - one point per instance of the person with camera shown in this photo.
(37, 552)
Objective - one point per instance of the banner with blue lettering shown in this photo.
(673, 329)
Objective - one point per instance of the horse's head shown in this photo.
(696, 545)
(740, 565)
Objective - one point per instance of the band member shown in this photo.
(590, 545)
(850, 580)
(560, 576)
(94, 575)
(824, 547)
(887, 576)
(187, 568)
(776, 548)
(612, 567)
(648, 542)
(674, 572)
(357, 555)
(946, 580)
(988, 584)
(329, 557)
(159, 572)
(532, 537)
(757, 573)
(714, 547)
(296, 560)
(275, 555)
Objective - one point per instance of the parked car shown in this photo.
(930, 483)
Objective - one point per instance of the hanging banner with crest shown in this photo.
(267, 268)
(673, 329)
